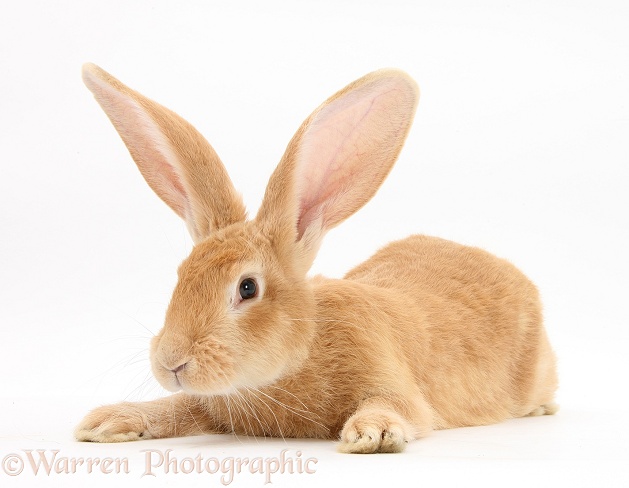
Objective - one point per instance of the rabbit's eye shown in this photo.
(248, 288)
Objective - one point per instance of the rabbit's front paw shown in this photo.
(113, 423)
(374, 430)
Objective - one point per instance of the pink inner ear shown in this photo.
(146, 143)
(348, 149)
(167, 180)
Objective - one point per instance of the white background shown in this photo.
(520, 146)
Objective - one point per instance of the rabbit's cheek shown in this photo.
(211, 371)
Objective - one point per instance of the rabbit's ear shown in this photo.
(175, 160)
(339, 157)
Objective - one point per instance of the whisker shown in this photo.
(229, 412)
(241, 397)
(279, 427)
(291, 394)
(147, 377)
(193, 418)
(133, 358)
(293, 410)
(231, 421)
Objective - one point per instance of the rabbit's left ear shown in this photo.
(175, 160)
(338, 158)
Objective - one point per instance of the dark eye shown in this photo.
(248, 288)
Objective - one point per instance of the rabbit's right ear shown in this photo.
(338, 159)
(175, 160)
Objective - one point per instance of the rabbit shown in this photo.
(427, 334)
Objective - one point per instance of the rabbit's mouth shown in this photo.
(178, 383)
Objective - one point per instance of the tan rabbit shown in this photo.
(427, 334)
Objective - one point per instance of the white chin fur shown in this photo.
(172, 385)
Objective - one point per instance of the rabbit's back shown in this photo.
(489, 358)
(445, 268)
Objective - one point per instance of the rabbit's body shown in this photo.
(426, 334)
(476, 346)
(457, 331)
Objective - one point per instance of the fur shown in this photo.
(427, 334)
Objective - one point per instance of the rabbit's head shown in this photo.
(243, 313)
